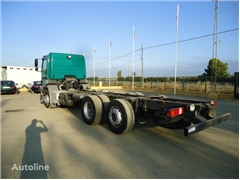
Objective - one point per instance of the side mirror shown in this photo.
(36, 62)
(36, 68)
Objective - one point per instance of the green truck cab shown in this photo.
(56, 66)
(60, 73)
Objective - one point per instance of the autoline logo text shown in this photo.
(34, 167)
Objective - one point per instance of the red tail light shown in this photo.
(175, 112)
(35, 86)
(14, 87)
(213, 103)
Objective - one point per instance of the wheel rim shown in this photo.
(88, 110)
(115, 116)
(46, 100)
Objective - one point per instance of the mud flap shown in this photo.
(52, 88)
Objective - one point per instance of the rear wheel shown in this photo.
(120, 116)
(91, 110)
(105, 100)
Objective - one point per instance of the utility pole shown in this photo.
(213, 93)
(133, 61)
(94, 53)
(176, 56)
(109, 63)
(129, 67)
(142, 69)
(216, 42)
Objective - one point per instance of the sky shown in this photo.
(33, 29)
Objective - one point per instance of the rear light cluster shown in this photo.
(14, 87)
(175, 112)
(213, 103)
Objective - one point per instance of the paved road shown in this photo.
(63, 146)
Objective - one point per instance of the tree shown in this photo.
(134, 74)
(222, 68)
(92, 78)
(120, 78)
(119, 74)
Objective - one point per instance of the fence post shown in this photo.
(205, 83)
(236, 85)
(129, 81)
(165, 83)
(183, 84)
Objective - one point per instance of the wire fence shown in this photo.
(182, 84)
(158, 59)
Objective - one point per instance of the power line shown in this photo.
(125, 55)
(190, 39)
(119, 65)
(117, 57)
(166, 44)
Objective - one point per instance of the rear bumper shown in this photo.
(36, 90)
(9, 91)
(206, 124)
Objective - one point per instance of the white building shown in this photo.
(20, 75)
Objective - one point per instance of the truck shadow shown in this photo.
(75, 110)
(162, 148)
(33, 165)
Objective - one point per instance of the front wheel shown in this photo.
(120, 116)
(46, 99)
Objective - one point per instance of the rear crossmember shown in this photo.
(206, 124)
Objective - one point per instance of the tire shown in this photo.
(46, 99)
(120, 116)
(92, 110)
(105, 100)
